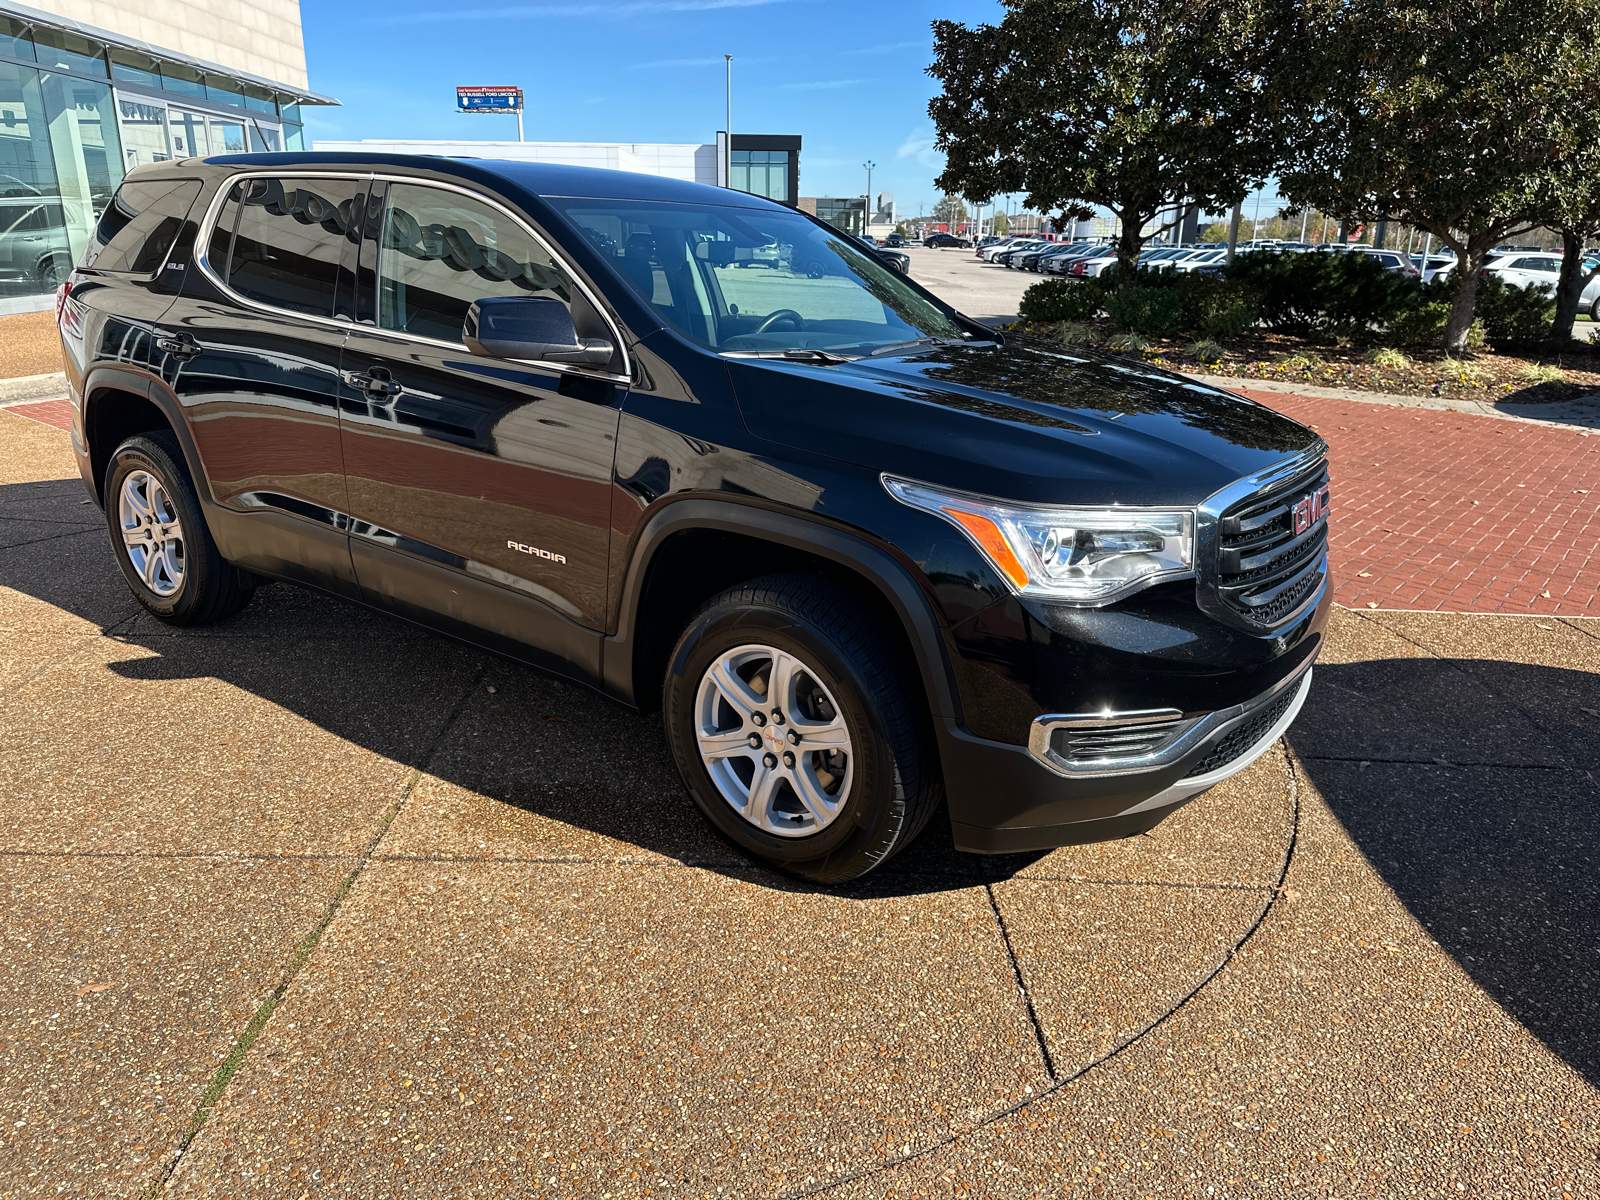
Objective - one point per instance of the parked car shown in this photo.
(1391, 260)
(867, 556)
(897, 259)
(894, 240)
(946, 241)
(33, 238)
(1537, 270)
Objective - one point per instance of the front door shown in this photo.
(479, 487)
(251, 349)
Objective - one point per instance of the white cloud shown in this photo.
(919, 146)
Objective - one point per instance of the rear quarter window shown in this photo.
(140, 225)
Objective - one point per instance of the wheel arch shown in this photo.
(694, 548)
(119, 403)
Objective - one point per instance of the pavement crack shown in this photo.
(1022, 987)
(308, 944)
(1270, 900)
(1434, 762)
(54, 537)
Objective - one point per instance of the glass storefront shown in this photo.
(76, 115)
(762, 173)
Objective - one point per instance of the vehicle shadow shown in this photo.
(1469, 785)
(1534, 404)
(404, 693)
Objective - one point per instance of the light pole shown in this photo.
(728, 165)
(866, 213)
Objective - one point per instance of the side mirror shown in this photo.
(539, 328)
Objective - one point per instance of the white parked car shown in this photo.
(1540, 270)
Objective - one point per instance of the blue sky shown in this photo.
(848, 78)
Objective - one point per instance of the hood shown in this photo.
(1024, 421)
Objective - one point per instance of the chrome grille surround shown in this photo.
(1117, 736)
(1254, 572)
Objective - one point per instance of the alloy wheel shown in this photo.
(151, 532)
(773, 740)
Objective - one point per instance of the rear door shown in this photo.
(251, 350)
(480, 487)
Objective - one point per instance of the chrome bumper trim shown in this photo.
(1201, 729)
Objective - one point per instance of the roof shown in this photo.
(33, 16)
(545, 180)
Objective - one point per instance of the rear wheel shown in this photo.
(160, 538)
(792, 725)
(1594, 310)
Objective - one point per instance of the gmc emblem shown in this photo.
(1309, 511)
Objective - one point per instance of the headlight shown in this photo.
(1086, 556)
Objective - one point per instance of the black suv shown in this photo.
(868, 556)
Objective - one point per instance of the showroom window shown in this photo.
(762, 173)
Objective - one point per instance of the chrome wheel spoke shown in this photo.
(758, 804)
(725, 744)
(818, 803)
(152, 538)
(823, 735)
(781, 681)
(741, 697)
(148, 568)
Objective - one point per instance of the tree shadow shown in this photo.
(1470, 785)
(535, 743)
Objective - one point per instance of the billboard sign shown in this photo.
(496, 100)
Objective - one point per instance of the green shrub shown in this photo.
(1061, 300)
(1128, 343)
(1424, 326)
(1388, 359)
(1207, 351)
(1077, 333)
(1149, 311)
(1514, 314)
(1335, 295)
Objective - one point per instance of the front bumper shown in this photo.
(1004, 799)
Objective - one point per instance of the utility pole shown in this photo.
(728, 165)
(866, 213)
(1381, 235)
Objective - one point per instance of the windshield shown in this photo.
(758, 280)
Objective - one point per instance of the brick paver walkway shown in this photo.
(1431, 509)
(1455, 513)
(52, 412)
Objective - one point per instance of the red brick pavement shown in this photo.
(1455, 513)
(51, 412)
(1431, 510)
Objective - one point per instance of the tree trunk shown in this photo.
(1128, 247)
(1464, 304)
(1569, 287)
(1233, 229)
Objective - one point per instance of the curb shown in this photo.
(26, 389)
(1580, 416)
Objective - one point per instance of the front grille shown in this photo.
(1265, 570)
(1243, 736)
(1109, 743)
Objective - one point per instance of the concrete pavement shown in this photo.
(315, 904)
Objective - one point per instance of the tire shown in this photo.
(845, 688)
(181, 579)
(53, 273)
(1594, 310)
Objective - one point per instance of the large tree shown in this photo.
(1446, 114)
(1573, 207)
(1132, 105)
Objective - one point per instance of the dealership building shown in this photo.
(91, 88)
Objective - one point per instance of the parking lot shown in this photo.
(314, 903)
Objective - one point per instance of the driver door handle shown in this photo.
(376, 382)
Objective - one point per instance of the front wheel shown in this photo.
(160, 537)
(793, 726)
(1594, 310)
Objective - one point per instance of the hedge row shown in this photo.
(1324, 297)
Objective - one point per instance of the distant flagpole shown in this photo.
(728, 165)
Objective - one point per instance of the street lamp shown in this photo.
(866, 212)
(728, 166)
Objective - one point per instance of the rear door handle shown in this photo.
(183, 346)
(375, 383)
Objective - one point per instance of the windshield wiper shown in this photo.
(793, 354)
(926, 341)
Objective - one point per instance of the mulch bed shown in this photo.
(1484, 375)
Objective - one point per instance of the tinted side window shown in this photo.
(279, 241)
(439, 251)
(140, 225)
